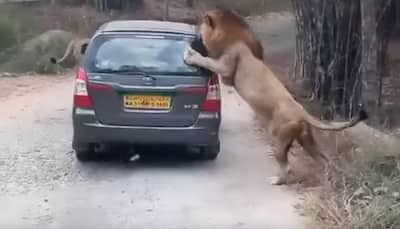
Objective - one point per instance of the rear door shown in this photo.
(141, 80)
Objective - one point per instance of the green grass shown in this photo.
(364, 194)
(16, 26)
(34, 54)
(24, 47)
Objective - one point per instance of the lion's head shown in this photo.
(220, 29)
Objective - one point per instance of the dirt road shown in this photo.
(43, 186)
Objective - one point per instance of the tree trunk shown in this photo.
(101, 5)
(166, 10)
(369, 70)
(386, 22)
(189, 3)
(328, 52)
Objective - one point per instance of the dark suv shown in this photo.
(134, 88)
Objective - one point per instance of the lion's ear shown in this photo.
(209, 21)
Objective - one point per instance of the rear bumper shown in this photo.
(87, 129)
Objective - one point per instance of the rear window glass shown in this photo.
(158, 54)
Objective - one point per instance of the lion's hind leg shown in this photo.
(285, 135)
(307, 140)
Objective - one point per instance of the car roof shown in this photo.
(147, 26)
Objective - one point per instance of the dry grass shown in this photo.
(80, 20)
(34, 54)
(84, 20)
(362, 194)
(16, 26)
(358, 190)
(248, 7)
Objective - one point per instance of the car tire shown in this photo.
(210, 153)
(84, 152)
(84, 155)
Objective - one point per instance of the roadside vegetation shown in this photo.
(16, 26)
(361, 189)
(360, 194)
(30, 35)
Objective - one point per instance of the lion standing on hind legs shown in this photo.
(225, 36)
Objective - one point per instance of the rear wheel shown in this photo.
(84, 152)
(210, 152)
(85, 155)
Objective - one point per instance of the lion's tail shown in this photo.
(66, 54)
(334, 126)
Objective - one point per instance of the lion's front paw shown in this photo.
(190, 56)
(277, 180)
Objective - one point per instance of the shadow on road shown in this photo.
(149, 157)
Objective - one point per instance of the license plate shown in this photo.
(147, 102)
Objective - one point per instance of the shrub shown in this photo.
(16, 26)
(364, 194)
(249, 7)
(34, 55)
(8, 34)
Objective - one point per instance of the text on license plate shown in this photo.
(147, 102)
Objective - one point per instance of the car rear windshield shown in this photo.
(145, 53)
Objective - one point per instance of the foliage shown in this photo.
(16, 26)
(34, 55)
(364, 194)
(248, 7)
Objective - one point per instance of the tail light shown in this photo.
(213, 98)
(81, 96)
